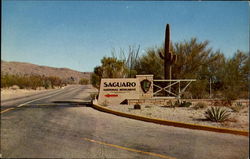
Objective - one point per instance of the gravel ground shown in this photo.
(238, 120)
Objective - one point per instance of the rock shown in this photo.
(15, 87)
(137, 106)
(40, 88)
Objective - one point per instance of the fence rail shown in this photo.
(169, 84)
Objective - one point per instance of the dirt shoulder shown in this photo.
(238, 120)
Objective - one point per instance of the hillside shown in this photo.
(21, 68)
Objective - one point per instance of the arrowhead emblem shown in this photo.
(145, 85)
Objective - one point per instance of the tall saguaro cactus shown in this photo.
(168, 57)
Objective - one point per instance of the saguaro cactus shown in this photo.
(168, 57)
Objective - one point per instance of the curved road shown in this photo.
(51, 125)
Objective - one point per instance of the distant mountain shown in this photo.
(22, 68)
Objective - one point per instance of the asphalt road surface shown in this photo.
(54, 125)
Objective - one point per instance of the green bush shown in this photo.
(217, 114)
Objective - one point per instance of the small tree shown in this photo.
(131, 60)
(150, 63)
(111, 68)
(234, 78)
(96, 77)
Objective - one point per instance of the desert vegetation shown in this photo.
(84, 81)
(217, 114)
(199, 105)
(30, 81)
(225, 77)
(220, 78)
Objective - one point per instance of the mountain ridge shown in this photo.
(25, 68)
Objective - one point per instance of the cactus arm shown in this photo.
(161, 56)
(174, 60)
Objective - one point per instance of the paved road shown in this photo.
(48, 126)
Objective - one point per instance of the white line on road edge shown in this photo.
(20, 105)
(38, 99)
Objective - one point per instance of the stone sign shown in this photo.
(114, 91)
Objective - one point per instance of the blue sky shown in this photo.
(77, 34)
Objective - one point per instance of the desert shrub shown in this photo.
(185, 104)
(55, 81)
(170, 103)
(176, 104)
(95, 80)
(182, 104)
(29, 81)
(33, 81)
(237, 107)
(230, 96)
(8, 80)
(47, 84)
(200, 105)
(217, 114)
(84, 81)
